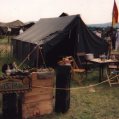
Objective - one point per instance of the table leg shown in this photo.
(101, 73)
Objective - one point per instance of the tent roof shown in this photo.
(13, 24)
(46, 28)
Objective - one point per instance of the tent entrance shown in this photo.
(65, 48)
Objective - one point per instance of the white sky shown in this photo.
(91, 11)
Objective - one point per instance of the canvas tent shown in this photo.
(28, 25)
(58, 37)
(12, 24)
(14, 27)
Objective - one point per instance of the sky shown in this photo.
(91, 11)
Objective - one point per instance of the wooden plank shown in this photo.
(37, 98)
(47, 82)
(39, 92)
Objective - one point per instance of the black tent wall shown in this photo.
(21, 50)
(88, 42)
(19, 46)
(13, 43)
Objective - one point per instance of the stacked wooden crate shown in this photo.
(39, 101)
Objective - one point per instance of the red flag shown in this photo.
(114, 14)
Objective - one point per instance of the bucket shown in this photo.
(89, 56)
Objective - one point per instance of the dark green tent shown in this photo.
(61, 36)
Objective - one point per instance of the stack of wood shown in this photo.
(40, 100)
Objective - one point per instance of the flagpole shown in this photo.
(114, 14)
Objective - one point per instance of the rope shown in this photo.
(84, 87)
(43, 58)
(27, 57)
(30, 54)
(71, 88)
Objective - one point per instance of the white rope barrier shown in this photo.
(84, 87)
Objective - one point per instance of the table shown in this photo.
(102, 64)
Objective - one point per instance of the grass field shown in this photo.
(99, 102)
(85, 104)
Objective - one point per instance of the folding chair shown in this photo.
(113, 77)
(76, 70)
(115, 65)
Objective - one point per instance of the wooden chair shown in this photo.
(113, 66)
(76, 70)
(113, 77)
(81, 59)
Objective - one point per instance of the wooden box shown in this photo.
(39, 101)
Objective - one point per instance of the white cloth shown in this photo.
(9, 29)
(21, 31)
(98, 33)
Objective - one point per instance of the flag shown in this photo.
(114, 14)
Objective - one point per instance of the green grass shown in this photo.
(101, 104)
(4, 40)
(84, 104)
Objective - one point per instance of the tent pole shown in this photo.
(42, 56)
(37, 62)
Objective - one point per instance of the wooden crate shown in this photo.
(39, 100)
(37, 108)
